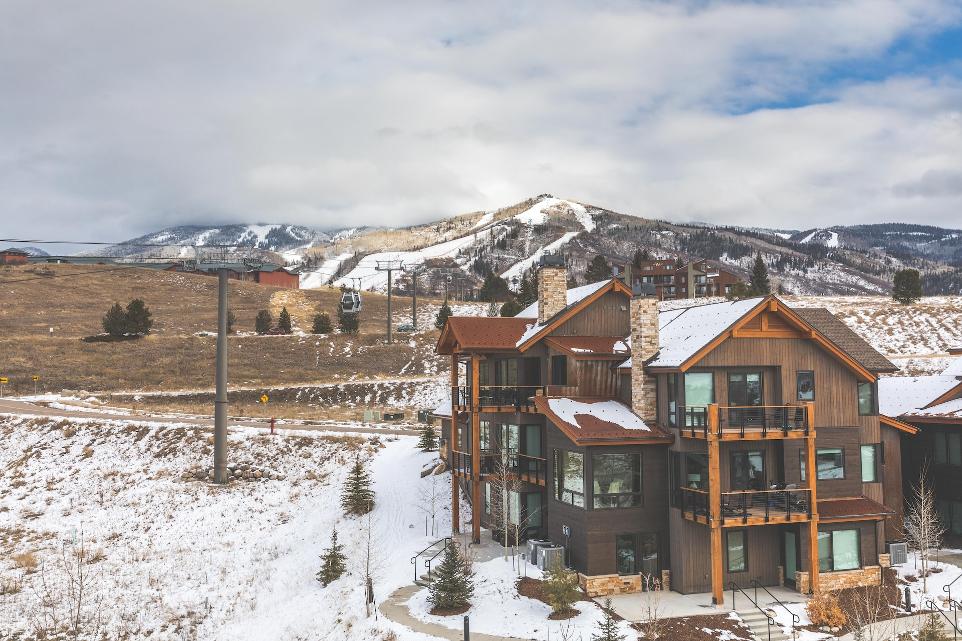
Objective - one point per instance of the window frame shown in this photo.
(636, 497)
(803, 472)
(876, 471)
(872, 411)
(831, 550)
(554, 371)
(560, 487)
(748, 454)
(798, 384)
(728, 563)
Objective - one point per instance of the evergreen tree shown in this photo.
(263, 322)
(510, 308)
(932, 629)
(443, 315)
(527, 292)
(608, 626)
(758, 282)
(641, 255)
(494, 288)
(907, 286)
(231, 320)
(348, 323)
(115, 321)
(598, 270)
(322, 324)
(429, 439)
(560, 588)
(284, 322)
(332, 562)
(138, 317)
(452, 587)
(357, 497)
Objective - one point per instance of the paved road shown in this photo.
(10, 406)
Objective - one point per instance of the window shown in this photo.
(616, 480)
(699, 394)
(866, 399)
(506, 372)
(947, 448)
(570, 477)
(735, 547)
(487, 498)
(955, 448)
(940, 448)
(696, 471)
(673, 400)
(637, 554)
(838, 550)
(625, 554)
(869, 463)
(559, 370)
(748, 471)
(514, 507)
(745, 389)
(805, 386)
(485, 435)
(829, 461)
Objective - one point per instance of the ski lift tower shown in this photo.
(389, 266)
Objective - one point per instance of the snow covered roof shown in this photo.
(898, 395)
(954, 368)
(444, 408)
(948, 409)
(683, 332)
(585, 419)
(575, 294)
(590, 346)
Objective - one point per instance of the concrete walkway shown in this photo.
(634, 607)
(396, 609)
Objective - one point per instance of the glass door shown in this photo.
(791, 556)
(744, 395)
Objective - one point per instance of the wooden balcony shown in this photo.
(755, 423)
(498, 398)
(497, 465)
(747, 507)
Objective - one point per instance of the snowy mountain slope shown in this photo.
(288, 239)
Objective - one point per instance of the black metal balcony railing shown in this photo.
(500, 395)
(742, 420)
(694, 501)
(770, 505)
(531, 469)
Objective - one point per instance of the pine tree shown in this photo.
(907, 286)
(284, 322)
(231, 320)
(138, 317)
(598, 270)
(608, 626)
(560, 588)
(115, 321)
(443, 315)
(263, 322)
(429, 439)
(322, 324)
(510, 308)
(332, 562)
(641, 255)
(452, 588)
(357, 497)
(932, 629)
(758, 282)
(348, 323)
(527, 292)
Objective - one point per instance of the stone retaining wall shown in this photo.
(833, 581)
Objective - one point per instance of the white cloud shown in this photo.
(120, 118)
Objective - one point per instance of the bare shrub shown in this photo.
(67, 598)
(26, 561)
(824, 609)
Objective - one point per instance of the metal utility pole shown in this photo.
(415, 272)
(220, 400)
(389, 266)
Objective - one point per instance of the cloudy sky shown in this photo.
(119, 118)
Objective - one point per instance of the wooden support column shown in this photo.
(714, 507)
(452, 446)
(475, 449)
(811, 473)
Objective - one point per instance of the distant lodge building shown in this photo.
(13, 256)
(256, 272)
(697, 279)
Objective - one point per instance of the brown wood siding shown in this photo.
(849, 440)
(892, 481)
(594, 378)
(608, 316)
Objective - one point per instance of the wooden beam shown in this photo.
(717, 577)
(811, 472)
(452, 440)
(714, 506)
(475, 449)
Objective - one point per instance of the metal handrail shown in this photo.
(954, 621)
(795, 618)
(771, 621)
(948, 587)
(738, 419)
(778, 503)
(414, 559)
(429, 560)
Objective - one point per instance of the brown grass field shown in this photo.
(72, 300)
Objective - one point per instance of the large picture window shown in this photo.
(699, 394)
(736, 557)
(748, 470)
(947, 448)
(570, 477)
(869, 463)
(829, 461)
(805, 385)
(866, 399)
(616, 480)
(838, 550)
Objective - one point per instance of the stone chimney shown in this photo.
(552, 286)
(644, 345)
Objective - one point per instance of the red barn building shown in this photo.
(13, 257)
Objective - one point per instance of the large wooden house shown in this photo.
(684, 449)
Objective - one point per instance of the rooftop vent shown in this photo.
(551, 260)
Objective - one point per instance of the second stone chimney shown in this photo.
(552, 286)
(644, 345)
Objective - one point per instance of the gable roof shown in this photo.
(900, 395)
(589, 421)
(954, 368)
(575, 294)
(470, 333)
(951, 409)
(685, 332)
(590, 346)
(845, 338)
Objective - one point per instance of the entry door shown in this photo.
(791, 556)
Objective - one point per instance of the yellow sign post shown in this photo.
(264, 398)
(36, 379)
(3, 381)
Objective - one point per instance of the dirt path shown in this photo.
(23, 408)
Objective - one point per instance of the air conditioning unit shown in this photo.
(534, 550)
(898, 553)
(550, 557)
